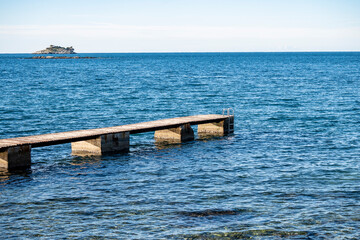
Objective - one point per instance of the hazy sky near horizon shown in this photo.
(180, 25)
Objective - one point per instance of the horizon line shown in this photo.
(299, 51)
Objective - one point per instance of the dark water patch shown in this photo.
(282, 118)
(36, 204)
(15, 176)
(213, 212)
(249, 234)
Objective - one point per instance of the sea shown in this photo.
(291, 170)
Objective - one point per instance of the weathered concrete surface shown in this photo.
(215, 128)
(15, 157)
(109, 143)
(219, 128)
(180, 134)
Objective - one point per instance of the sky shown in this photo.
(180, 25)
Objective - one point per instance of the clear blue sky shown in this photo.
(180, 25)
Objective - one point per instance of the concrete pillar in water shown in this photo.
(217, 128)
(176, 135)
(108, 143)
(16, 157)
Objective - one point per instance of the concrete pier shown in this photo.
(15, 157)
(104, 144)
(16, 152)
(220, 128)
(182, 133)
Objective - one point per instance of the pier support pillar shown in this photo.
(108, 143)
(176, 135)
(217, 128)
(16, 157)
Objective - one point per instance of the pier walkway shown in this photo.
(16, 152)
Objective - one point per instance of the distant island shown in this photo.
(56, 50)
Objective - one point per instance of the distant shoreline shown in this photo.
(59, 57)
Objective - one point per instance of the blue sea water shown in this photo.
(290, 170)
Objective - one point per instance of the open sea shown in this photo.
(291, 170)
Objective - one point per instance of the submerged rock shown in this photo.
(210, 212)
(247, 234)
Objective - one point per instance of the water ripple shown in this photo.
(290, 171)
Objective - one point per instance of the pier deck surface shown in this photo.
(80, 135)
